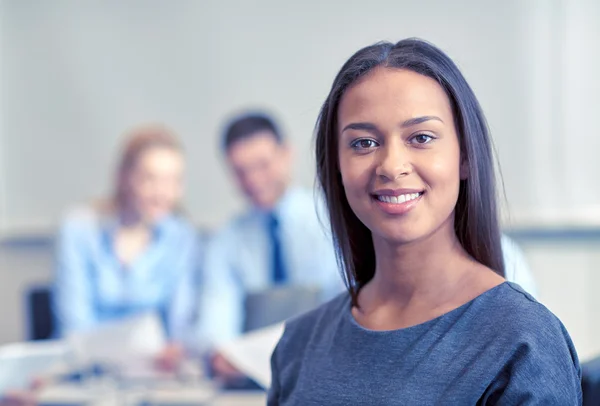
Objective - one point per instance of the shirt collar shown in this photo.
(281, 208)
(110, 224)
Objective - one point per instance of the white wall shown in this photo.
(561, 142)
(76, 74)
(580, 129)
(2, 163)
(566, 272)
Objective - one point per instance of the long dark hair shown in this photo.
(476, 216)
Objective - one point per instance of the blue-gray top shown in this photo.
(501, 348)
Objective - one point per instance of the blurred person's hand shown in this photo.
(170, 357)
(18, 398)
(223, 369)
(25, 397)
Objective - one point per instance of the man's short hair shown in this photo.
(248, 125)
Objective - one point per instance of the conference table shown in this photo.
(115, 365)
(69, 394)
(74, 395)
(108, 390)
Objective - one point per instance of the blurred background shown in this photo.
(74, 75)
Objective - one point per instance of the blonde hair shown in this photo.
(139, 140)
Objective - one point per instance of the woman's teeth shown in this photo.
(398, 199)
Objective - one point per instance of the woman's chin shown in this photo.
(396, 236)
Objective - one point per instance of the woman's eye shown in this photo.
(421, 139)
(364, 143)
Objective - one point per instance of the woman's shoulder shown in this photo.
(178, 231)
(81, 217)
(539, 358)
(521, 322)
(81, 227)
(518, 312)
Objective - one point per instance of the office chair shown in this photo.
(590, 382)
(40, 318)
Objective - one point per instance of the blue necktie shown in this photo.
(278, 267)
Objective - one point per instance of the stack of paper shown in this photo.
(21, 363)
(251, 353)
(129, 345)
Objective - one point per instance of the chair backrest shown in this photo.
(39, 313)
(278, 304)
(590, 383)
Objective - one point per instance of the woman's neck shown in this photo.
(420, 267)
(131, 240)
(421, 280)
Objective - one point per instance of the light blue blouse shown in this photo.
(92, 286)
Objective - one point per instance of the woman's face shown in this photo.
(399, 154)
(155, 183)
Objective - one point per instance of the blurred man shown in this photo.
(280, 240)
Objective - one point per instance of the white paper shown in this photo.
(251, 353)
(132, 342)
(20, 363)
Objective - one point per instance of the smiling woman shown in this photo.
(405, 161)
(408, 155)
(427, 127)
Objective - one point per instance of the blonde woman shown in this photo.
(135, 252)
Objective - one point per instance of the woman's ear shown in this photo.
(464, 169)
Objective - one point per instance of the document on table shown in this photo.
(20, 363)
(129, 344)
(251, 353)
